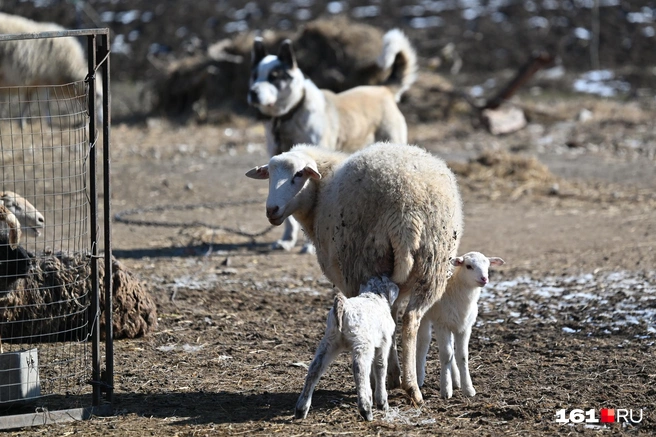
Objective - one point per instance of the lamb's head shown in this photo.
(30, 219)
(288, 175)
(382, 286)
(473, 267)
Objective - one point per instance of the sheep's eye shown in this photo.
(469, 267)
(275, 74)
(299, 174)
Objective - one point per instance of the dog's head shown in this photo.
(276, 84)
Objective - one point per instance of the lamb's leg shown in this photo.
(423, 344)
(455, 373)
(419, 303)
(462, 359)
(363, 357)
(288, 240)
(445, 343)
(393, 365)
(380, 371)
(326, 353)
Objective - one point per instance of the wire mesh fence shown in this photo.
(49, 315)
(43, 155)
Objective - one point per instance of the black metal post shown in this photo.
(103, 53)
(93, 200)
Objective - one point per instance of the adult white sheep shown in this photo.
(39, 62)
(453, 317)
(388, 210)
(364, 325)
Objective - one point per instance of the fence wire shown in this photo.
(44, 149)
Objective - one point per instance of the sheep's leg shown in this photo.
(363, 358)
(380, 371)
(423, 344)
(288, 240)
(326, 353)
(445, 343)
(417, 307)
(462, 359)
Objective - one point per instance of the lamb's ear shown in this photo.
(286, 54)
(311, 170)
(392, 292)
(496, 261)
(258, 172)
(259, 51)
(457, 261)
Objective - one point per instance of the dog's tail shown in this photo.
(400, 59)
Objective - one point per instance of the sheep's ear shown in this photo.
(457, 261)
(311, 170)
(392, 292)
(286, 54)
(259, 51)
(496, 261)
(258, 172)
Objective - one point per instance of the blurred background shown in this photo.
(466, 42)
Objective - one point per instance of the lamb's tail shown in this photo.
(400, 59)
(14, 225)
(338, 310)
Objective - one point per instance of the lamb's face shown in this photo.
(475, 267)
(288, 175)
(28, 216)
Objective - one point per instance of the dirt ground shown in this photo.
(569, 322)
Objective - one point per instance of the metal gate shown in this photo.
(53, 365)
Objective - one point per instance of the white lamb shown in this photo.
(363, 325)
(38, 62)
(453, 317)
(388, 210)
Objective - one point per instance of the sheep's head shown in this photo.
(288, 175)
(30, 219)
(474, 267)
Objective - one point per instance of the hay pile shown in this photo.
(335, 53)
(52, 302)
(495, 174)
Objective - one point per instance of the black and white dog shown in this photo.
(302, 113)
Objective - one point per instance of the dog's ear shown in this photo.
(286, 54)
(259, 51)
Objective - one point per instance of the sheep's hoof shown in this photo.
(283, 245)
(383, 406)
(415, 396)
(469, 391)
(301, 413)
(367, 414)
(446, 394)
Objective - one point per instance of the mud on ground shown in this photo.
(569, 322)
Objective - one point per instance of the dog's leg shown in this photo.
(288, 240)
(308, 247)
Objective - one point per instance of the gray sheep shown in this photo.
(40, 62)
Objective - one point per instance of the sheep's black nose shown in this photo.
(271, 212)
(253, 96)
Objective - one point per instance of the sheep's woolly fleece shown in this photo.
(52, 302)
(391, 210)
